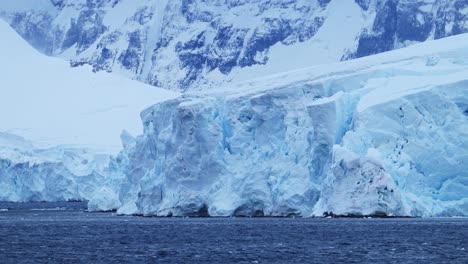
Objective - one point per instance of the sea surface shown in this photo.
(66, 233)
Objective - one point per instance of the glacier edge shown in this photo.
(388, 137)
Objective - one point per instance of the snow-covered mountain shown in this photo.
(381, 135)
(58, 125)
(197, 43)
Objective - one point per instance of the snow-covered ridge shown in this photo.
(201, 44)
(385, 134)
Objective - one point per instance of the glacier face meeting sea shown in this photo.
(382, 135)
(269, 118)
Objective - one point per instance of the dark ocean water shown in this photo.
(67, 234)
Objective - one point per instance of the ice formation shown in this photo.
(382, 135)
(28, 173)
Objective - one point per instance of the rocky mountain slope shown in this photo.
(196, 44)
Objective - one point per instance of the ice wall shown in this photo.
(385, 135)
(29, 174)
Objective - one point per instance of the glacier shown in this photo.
(384, 135)
(196, 44)
(28, 173)
(60, 125)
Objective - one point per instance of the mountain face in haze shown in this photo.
(193, 44)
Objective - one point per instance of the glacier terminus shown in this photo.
(385, 134)
(247, 108)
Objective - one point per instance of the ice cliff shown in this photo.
(381, 135)
(29, 174)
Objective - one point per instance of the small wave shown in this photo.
(49, 209)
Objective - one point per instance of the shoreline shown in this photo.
(75, 205)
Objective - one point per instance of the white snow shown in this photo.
(153, 35)
(49, 103)
(25, 5)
